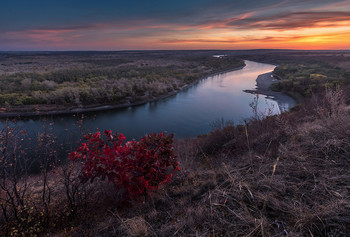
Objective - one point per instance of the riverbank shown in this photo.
(258, 179)
(45, 110)
(263, 83)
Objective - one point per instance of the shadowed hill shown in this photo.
(277, 176)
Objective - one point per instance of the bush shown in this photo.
(135, 167)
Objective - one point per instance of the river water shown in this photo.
(187, 114)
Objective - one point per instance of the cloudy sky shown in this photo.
(180, 24)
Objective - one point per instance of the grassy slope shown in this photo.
(283, 174)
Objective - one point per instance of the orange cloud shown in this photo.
(261, 28)
(321, 41)
(283, 22)
(39, 35)
(224, 22)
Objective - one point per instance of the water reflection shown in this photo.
(186, 114)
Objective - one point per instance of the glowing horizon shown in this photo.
(206, 24)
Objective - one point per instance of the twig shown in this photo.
(270, 181)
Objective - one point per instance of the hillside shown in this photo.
(285, 174)
(282, 175)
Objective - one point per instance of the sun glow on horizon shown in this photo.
(280, 26)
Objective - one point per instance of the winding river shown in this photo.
(187, 114)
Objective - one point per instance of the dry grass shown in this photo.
(285, 175)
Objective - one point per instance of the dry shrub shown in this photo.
(285, 175)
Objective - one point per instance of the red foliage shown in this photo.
(137, 167)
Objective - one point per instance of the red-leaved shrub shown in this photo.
(136, 166)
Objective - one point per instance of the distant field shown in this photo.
(339, 59)
(87, 78)
(59, 80)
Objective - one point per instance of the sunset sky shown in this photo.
(180, 24)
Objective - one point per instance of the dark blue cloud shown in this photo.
(62, 23)
(21, 14)
(24, 14)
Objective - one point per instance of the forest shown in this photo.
(99, 81)
(281, 175)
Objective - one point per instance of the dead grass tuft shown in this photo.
(136, 226)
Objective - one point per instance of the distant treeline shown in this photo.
(306, 79)
(306, 72)
(105, 83)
